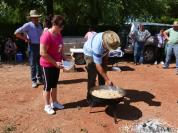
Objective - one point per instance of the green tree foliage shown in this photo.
(71, 9)
(17, 11)
(94, 12)
(8, 14)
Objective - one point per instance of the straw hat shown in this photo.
(34, 14)
(175, 23)
(111, 40)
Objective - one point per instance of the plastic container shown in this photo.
(68, 65)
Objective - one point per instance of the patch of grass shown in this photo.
(83, 130)
(102, 124)
(56, 130)
(8, 127)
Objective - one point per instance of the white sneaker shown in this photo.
(162, 62)
(49, 110)
(57, 105)
(39, 82)
(156, 63)
(34, 85)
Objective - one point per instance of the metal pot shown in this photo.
(107, 101)
(111, 102)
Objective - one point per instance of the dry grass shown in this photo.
(8, 127)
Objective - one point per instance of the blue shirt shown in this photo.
(33, 31)
(94, 48)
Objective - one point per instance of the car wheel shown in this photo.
(149, 54)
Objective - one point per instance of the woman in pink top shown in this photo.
(51, 51)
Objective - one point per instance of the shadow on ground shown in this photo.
(124, 110)
(80, 69)
(123, 68)
(138, 96)
(72, 81)
(77, 104)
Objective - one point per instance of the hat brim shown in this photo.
(34, 16)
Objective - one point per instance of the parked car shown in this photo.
(151, 42)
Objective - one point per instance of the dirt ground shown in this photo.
(152, 93)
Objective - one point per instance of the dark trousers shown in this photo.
(51, 76)
(160, 54)
(34, 58)
(92, 73)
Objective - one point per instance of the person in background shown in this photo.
(51, 62)
(33, 30)
(140, 37)
(160, 52)
(90, 33)
(47, 23)
(10, 48)
(22, 46)
(96, 51)
(171, 36)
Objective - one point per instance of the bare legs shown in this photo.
(50, 94)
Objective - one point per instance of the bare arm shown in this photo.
(43, 52)
(61, 50)
(103, 74)
(19, 35)
(86, 35)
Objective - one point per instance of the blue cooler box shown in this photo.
(19, 57)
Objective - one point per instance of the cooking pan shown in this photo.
(110, 100)
(115, 94)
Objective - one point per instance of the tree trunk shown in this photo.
(95, 11)
(49, 6)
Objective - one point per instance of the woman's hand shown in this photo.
(59, 65)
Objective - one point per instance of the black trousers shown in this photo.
(160, 54)
(92, 74)
(51, 76)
